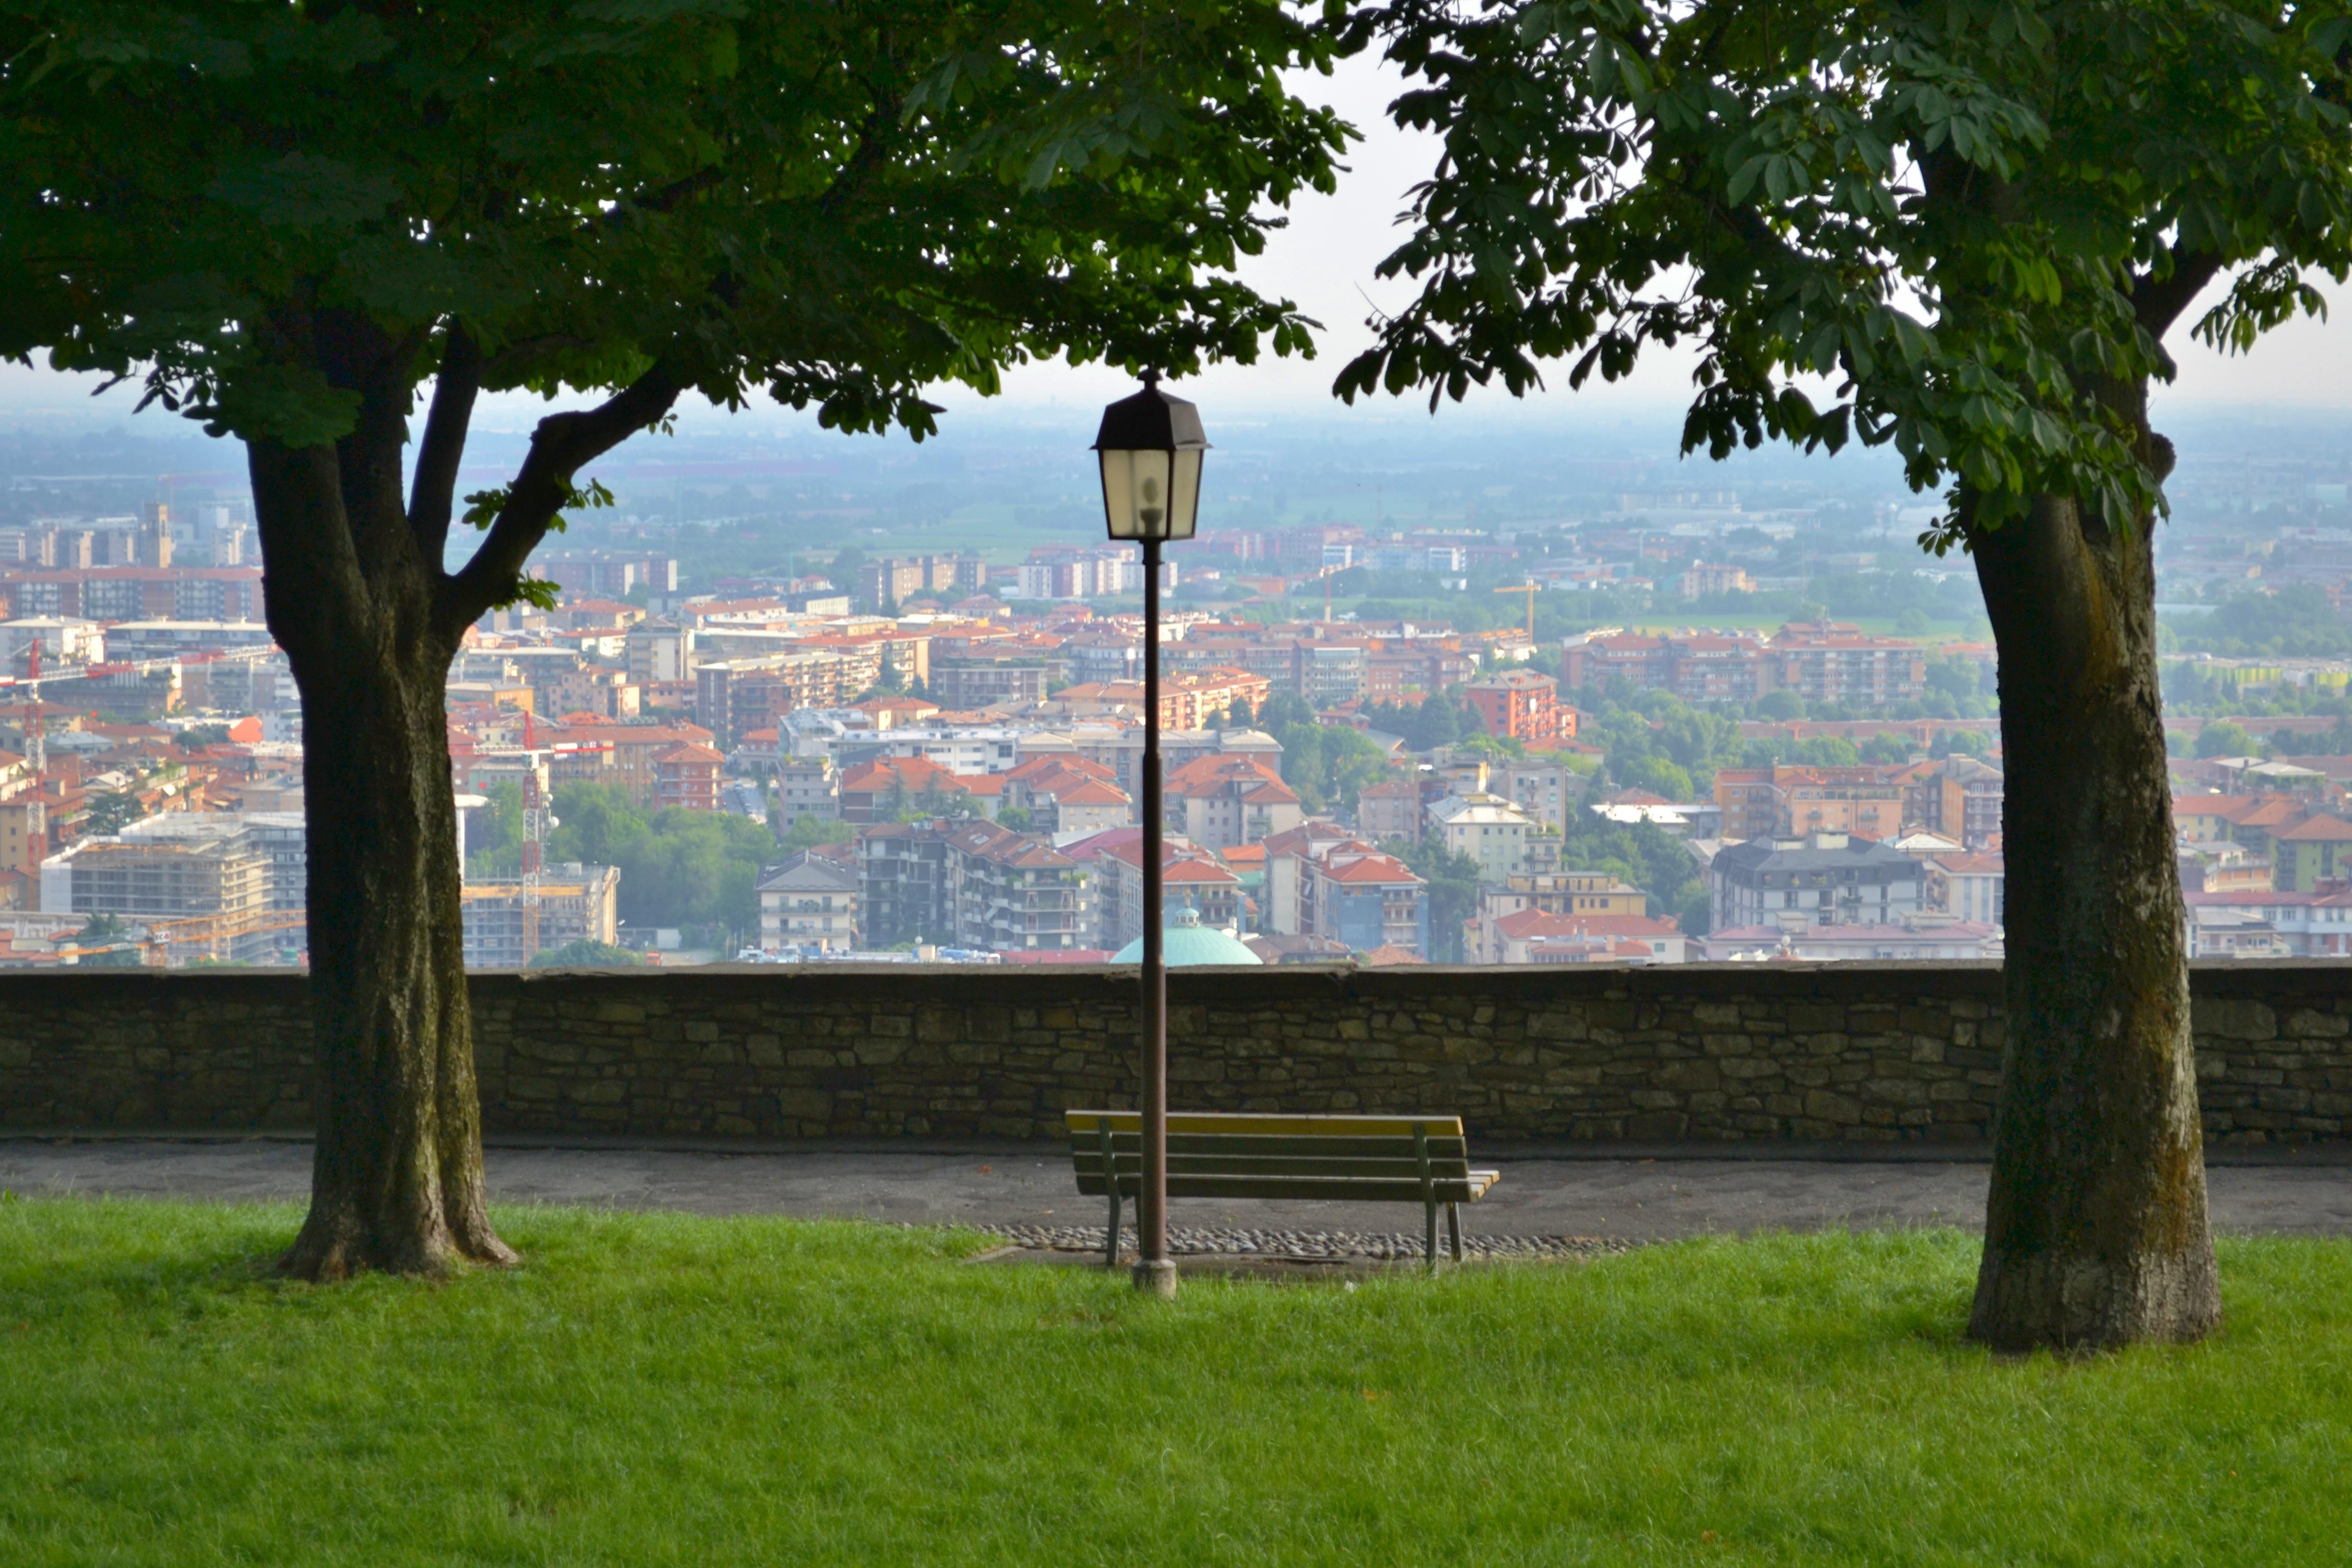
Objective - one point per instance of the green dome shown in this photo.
(1186, 940)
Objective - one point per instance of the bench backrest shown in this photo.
(1373, 1149)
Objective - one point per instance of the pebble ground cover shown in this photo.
(664, 1390)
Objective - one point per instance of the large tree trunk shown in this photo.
(396, 1176)
(397, 1182)
(2095, 1231)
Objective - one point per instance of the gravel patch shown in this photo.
(1384, 1245)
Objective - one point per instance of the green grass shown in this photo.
(659, 1390)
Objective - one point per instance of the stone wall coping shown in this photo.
(1942, 977)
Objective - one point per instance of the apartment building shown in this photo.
(209, 873)
(808, 902)
(1357, 895)
(1522, 705)
(1826, 661)
(1788, 801)
(1221, 801)
(1012, 893)
(1488, 829)
(1008, 677)
(686, 775)
(1388, 810)
(1188, 879)
(576, 903)
(1970, 887)
(1827, 879)
(1959, 797)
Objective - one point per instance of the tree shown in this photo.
(585, 952)
(1453, 891)
(1965, 229)
(111, 813)
(1437, 723)
(2224, 739)
(808, 831)
(287, 221)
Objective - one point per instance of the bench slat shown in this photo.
(1261, 1123)
(1342, 1189)
(1224, 1146)
(1091, 1163)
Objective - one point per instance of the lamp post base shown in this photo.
(1156, 1277)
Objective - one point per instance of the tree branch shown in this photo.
(433, 492)
(558, 448)
(2157, 303)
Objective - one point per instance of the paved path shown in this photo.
(1624, 1199)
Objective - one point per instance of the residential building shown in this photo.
(1282, 906)
(983, 679)
(902, 883)
(576, 903)
(1188, 879)
(1786, 801)
(2221, 866)
(1576, 893)
(879, 790)
(1539, 936)
(1545, 789)
(2315, 850)
(2271, 925)
(1921, 937)
(807, 786)
(1959, 797)
(808, 902)
(1063, 794)
(1829, 879)
(1828, 661)
(1011, 891)
(1486, 827)
(1968, 887)
(1707, 578)
(1522, 705)
(686, 775)
(1220, 801)
(884, 586)
(659, 652)
(1388, 810)
(1357, 895)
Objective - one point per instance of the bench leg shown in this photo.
(1453, 1229)
(1111, 1182)
(1429, 1249)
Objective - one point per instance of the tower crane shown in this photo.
(1530, 590)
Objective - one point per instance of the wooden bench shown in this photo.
(1357, 1159)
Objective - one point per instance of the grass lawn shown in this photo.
(654, 1390)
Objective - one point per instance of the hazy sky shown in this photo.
(1325, 262)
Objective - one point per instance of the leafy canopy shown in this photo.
(256, 208)
(1961, 226)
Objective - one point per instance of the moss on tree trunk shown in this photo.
(2095, 1231)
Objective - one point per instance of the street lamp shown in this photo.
(1150, 446)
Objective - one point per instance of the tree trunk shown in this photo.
(2095, 1231)
(396, 1176)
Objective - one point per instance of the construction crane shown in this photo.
(537, 816)
(1530, 590)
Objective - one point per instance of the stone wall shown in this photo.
(1860, 1052)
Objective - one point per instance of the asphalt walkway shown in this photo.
(1631, 1199)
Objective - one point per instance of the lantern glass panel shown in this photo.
(1135, 493)
(1184, 494)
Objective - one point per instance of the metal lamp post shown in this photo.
(1149, 447)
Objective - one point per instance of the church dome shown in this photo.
(1185, 941)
